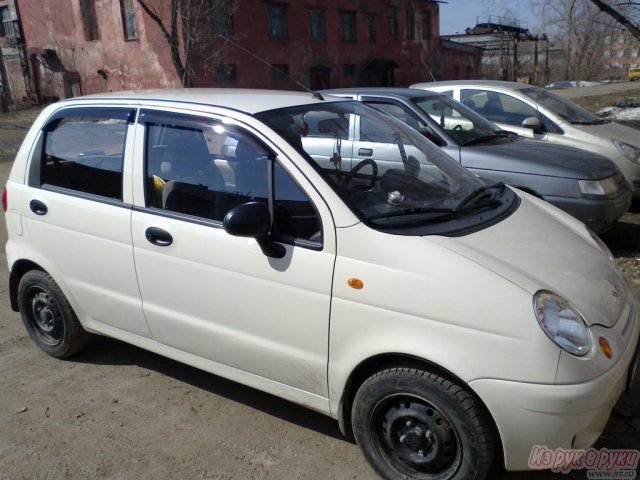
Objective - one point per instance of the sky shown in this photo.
(456, 15)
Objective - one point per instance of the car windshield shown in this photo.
(463, 125)
(388, 174)
(562, 107)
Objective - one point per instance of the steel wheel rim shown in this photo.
(415, 437)
(45, 316)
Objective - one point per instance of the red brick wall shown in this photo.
(57, 25)
(113, 63)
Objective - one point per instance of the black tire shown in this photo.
(412, 424)
(48, 317)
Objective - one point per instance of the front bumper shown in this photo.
(554, 416)
(598, 214)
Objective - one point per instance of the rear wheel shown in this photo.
(48, 316)
(412, 424)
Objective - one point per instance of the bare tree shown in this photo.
(578, 26)
(623, 12)
(191, 29)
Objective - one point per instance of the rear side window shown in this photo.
(83, 151)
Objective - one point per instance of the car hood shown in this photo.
(537, 158)
(540, 247)
(610, 131)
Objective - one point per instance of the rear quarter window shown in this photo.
(82, 150)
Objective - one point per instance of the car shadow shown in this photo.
(623, 239)
(108, 351)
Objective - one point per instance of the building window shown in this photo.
(128, 12)
(348, 27)
(224, 72)
(411, 26)
(221, 18)
(349, 70)
(277, 22)
(316, 25)
(89, 20)
(392, 17)
(6, 24)
(371, 28)
(426, 25)
(280, 71)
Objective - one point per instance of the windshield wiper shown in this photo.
(480, 197)
(590, 122)
(486, 138)
(412, 211)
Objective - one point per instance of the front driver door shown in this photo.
(217, 296)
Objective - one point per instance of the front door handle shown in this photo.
(38, 207)
(158, 236)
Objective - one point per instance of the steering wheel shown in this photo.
(359, 166)
(458, 128)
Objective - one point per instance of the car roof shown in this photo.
(478, 83)
(387, 91)
(249, 101)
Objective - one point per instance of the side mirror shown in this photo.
(252, 219)
(532, 123)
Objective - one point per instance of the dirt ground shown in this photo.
(118, 412)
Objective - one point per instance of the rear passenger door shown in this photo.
(77, 213)
(217, 296)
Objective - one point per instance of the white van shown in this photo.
(435, 316)
(534, 112)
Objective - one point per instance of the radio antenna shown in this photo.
(304, 87)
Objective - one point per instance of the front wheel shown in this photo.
(412, 424)
(48, 316)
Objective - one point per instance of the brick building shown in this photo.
(14, 85)
(77, 47)
(621, 51)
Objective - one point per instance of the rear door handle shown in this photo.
(38, 207)
(158, 236)
(365, 152)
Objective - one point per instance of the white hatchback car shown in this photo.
(534, 112)
(434, 316)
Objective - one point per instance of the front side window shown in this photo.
(565, 109)
(276, 22)
(463, 125)
(388, 174)
(398, 112)
(497, 107)
(202, 168)
(83, 151)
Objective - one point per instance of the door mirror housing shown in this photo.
(252, 219)
(533, 123)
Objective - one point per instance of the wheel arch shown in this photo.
(383, 361)
(18, 269)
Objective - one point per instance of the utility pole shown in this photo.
(535, 61)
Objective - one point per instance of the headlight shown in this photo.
(601, 244)
(562, 323)
(607, 186)
(632, 153)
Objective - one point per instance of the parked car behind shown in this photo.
(538, 113)
(405, 298)
(586, 185)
